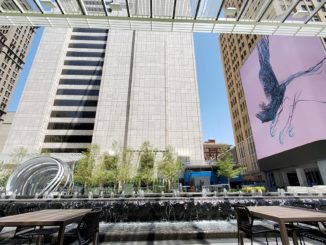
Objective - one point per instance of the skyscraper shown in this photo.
(15, 44)
(235, 49)
(98, 86)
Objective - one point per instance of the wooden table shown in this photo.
(48, 217)
(283, 215)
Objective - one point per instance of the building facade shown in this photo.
(212, 150)
(98, 86)
(235, 49)
(15, 44)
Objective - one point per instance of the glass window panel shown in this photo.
(163, 8)
(186, 9)
(208, 9)
(9, 6)
(70, 6)
(139, 8)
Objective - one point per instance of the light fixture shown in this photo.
(300, 14)
(48, 4)
(230, 11)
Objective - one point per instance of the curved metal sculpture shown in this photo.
(40, 175)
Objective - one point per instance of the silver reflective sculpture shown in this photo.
(40, 175)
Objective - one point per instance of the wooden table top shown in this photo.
(287, 214)
(44, 217)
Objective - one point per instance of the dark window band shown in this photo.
(78, 92)
(75, 103)
(71, 126)
(84, 54)
(68, 138)
(87, 45)
(83, 63)
(95, 82)
(82, 72)
(78, 114)
(64, 150)
(90, 38)
(90, 30)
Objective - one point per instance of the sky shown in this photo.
(215, 116)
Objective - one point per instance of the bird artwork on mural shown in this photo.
(275, 90)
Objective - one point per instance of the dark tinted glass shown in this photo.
(85, 54)
(75, 103)
(80, 114)
(87, 45)
(80, 82)
(76, 126)
(68, 138)
(77, 92)
(83, 63)
(95, 38)
(64, 150)
(91, 30)
(81, 72)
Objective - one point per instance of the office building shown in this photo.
(212, 150)
(98, 86)
(15, 44)
(235, 49)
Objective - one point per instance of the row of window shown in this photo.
(71, 126)
(87, 45)
(68, 139)
(64, 150)
(95, 82)
(74, 114)
(75, 103)
(85, 54)
(82, 72)
(90, 38)
(83, 63)
(77, 92)
(90, 30)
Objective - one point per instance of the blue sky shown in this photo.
(215, 117)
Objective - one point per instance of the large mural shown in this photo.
(284, 81)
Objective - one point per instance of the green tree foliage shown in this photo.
(17, 157)
(146, 164)
(170, 167)
(125, 167)
(226, 167)
(105, 172)
(83, 173)
(5, 171)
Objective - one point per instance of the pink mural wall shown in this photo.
(284, 81)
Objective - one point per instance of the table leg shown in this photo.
(284, 233)
(61, 234)
(295, 238)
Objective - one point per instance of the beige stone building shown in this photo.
(15, 44)
(234, 51)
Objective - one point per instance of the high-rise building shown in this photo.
(15, 44)
(213, 150)
(98, 86)
(234, 51)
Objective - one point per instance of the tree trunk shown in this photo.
(229, 185)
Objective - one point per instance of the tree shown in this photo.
(125, 167)
(170, 167)
(146, 164)
(18, 155)
(226, 167)
(84, 169)
(106, 171)
(5, 171)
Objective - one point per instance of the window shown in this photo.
(74, 126)
(94, 38)
(82, 72)
(68, 138)
(75, 103)
(95, 82)
(83, 63)
(79, 114)
(91, 30)
(64, 150)
(87, 46)
(77, 92)
(85, 54)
